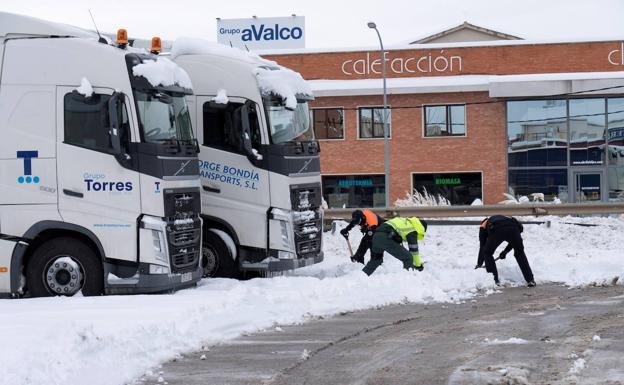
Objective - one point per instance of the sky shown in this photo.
(334, 23)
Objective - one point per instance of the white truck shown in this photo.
(259, 161)
(99, 185)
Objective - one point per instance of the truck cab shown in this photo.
(99, 186)
(259, 161)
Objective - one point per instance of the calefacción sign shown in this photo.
(262, 33)
(433, 62)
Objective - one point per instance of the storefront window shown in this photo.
(354, 190)
(550, 182)
(445, 120)
(457, 188)
(615, 131)
(537, 133)
(328, 123)
(587, 132)
(616, 184)
(371, 122)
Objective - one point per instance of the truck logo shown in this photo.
(28, 177)
(305, 166)
(182, 167)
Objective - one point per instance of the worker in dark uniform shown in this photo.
(368, 222)
(496, 230)
(390, 236)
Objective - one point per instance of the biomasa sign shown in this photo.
(429, 63)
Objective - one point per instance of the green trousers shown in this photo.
(382, 241)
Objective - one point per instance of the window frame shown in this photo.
(448, 111)
(373, 174)
(110, 150)
(359, 132)
(232, 100)
(449, 172)
(344, 122)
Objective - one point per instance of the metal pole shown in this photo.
(385, 116)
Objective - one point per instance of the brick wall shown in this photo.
(483, 149)
(496, 60)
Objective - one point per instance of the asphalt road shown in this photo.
(545, 335)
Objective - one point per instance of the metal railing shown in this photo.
(528, 209)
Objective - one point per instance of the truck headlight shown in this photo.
(159, 246)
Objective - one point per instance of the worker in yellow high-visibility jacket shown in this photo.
(390, 236)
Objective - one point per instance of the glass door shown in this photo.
(588, 187)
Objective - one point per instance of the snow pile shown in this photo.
(257, 154)
(85, 88)
(577, 366)
(221, 97)
(114, 339)
(162, 72)
(303, 216)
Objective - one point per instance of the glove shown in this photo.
(502, 255)
(345, 233)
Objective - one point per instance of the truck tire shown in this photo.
(64, 266)
(217, 260)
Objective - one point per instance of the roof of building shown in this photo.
(497, 85)
(465, 32)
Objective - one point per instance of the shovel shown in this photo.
(333, 231)
(483, 266)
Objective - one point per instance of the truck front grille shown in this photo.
(307, 218)
(184, 245)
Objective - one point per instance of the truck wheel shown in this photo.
(64, 266)
(217, 260)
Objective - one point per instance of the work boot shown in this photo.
(531, 284)
(496, 281)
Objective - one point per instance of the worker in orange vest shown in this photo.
(368, 222)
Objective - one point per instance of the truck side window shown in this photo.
(87, 122)
(223, 127)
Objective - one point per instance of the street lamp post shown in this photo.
(372, 25)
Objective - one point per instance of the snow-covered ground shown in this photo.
(112, 340)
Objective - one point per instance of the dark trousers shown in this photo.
(365, 245)
(382, 241)
(512, 235)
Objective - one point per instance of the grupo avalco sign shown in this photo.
(262, 33)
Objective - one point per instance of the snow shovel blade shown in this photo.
(483, 266)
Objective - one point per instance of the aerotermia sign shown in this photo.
(262, 33)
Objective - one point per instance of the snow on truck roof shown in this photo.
(12, 24)
(272, 78)
(163, 72)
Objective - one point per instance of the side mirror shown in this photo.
(116, 129)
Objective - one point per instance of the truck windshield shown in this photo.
(163, 117)
(288, 125)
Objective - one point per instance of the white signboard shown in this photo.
(262, 33)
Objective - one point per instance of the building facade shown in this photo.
(470, 120)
